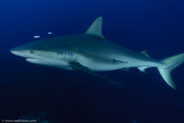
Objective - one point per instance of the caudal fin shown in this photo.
(170, 64)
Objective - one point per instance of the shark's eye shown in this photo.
(31, 51)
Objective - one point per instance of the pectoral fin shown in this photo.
(78, 66)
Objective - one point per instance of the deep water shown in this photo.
(76, 97)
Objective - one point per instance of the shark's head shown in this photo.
(43, 52)
(59, 51)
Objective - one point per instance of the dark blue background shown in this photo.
(75, 97)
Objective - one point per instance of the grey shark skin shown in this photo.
(91, 52)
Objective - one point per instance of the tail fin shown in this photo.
(170, 64)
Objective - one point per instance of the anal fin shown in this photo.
(142, 69)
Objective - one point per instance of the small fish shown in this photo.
(50, 33)
(36, 36)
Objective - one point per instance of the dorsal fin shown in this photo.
(96, 28)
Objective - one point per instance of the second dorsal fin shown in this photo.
(144, 52)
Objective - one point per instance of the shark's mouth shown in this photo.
(33, 60)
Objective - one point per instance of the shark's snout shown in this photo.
(17, 51)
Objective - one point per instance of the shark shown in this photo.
(92, 53)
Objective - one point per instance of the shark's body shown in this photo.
(92, 52)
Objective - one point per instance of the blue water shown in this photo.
(76, 97)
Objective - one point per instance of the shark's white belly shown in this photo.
(97, 65)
